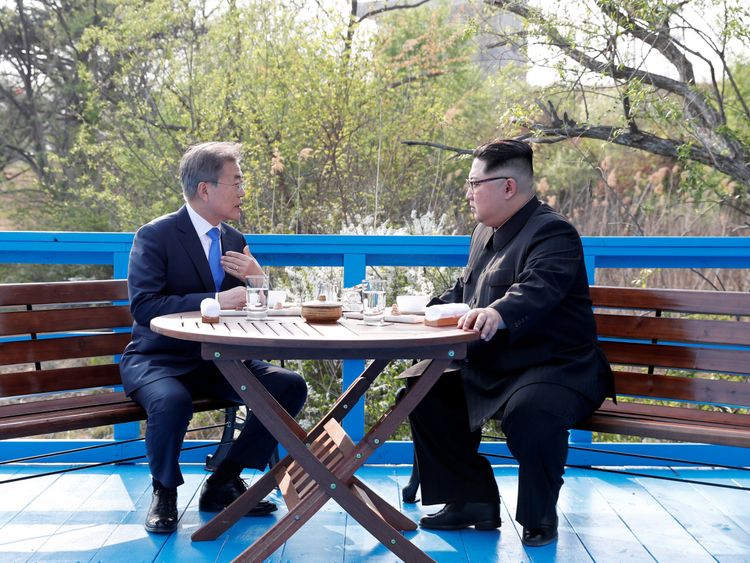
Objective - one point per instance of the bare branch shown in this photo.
(387, 8)
(440, 146)
(659, 38)
(410, 79)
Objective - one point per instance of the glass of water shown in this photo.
(257, 297)
(373, 301)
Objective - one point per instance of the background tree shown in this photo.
(666, 75)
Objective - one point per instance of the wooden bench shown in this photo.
(61, 338)
(682, 364)
(681, 360)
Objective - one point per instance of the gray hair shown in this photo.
(203, 163)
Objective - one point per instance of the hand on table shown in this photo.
(485, 321)
(232, 298)
(240, 264)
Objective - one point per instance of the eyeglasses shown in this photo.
(472, 184)
(239, 187)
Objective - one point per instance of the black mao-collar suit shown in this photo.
(539, 376)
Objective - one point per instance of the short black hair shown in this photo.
(502, 151)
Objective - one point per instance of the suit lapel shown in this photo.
(193, 248)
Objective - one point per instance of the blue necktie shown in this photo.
(214, 257)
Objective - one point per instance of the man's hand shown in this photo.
(241, 264)
(485, 321)
(232, 298)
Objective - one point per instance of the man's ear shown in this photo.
(511, 187)
(202, 191)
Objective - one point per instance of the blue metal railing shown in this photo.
(354, 253)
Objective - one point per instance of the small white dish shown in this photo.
(412, 304)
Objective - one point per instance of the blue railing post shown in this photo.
(355, 269)
(584, 437)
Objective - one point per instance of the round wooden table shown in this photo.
(321, 463)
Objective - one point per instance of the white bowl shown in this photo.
(412, 303)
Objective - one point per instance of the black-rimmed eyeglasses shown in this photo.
(472, 184)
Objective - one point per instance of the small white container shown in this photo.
(412, 304)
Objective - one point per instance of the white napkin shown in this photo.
(446, 310)
(210, 307)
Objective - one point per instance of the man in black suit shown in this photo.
(537, 366)
(177, 261)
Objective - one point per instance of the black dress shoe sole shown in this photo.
(263, 508)
(160, 529)
(539, 542)
(484, 525)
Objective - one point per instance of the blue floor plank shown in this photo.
(648, 520)
(716, 531)
(596, 522)
(568, 547)
(97, 515)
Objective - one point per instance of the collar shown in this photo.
(199, 223)
(510, 228)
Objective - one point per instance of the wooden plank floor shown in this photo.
(97, 515)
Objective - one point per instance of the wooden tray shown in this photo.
(445, 321)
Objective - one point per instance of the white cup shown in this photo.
(276, 296)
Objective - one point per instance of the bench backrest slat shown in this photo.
(678, 357)
(88, 318)
(30, 351)
(63, 292)
(682, 300)
(692, 389)
(674, 330)
(51, 380)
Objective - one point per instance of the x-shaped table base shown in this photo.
(321, 463)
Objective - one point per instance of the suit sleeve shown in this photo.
(551, 265)
(148, 280)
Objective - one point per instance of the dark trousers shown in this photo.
(169, 408)
(535, 420)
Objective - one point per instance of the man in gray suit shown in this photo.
(537, 366)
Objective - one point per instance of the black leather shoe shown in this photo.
(162, 514)
(217, 497)
(457, 515)
(537, 537)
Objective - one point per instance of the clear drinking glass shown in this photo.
(257, 297)
(373, 297)
(352, 299)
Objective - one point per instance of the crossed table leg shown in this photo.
(321, 464)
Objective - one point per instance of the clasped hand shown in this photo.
(240, 264)
(485, 321)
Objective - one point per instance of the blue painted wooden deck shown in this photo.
(97, 515)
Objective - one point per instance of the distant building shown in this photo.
(490, 54)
